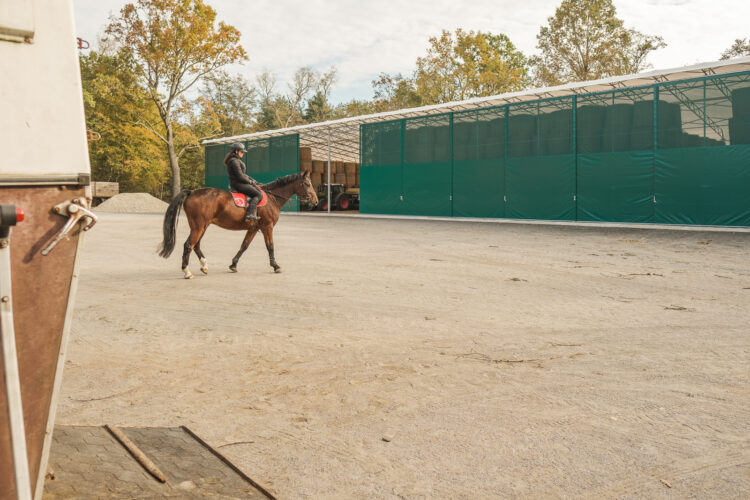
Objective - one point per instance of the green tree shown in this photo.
(125, 152)
(173, 43)
(354, 107)
(469, 64)
(306, 99)
(394, 92)
(232, 100)
(740, 48)
(319, 109)
(585, 40)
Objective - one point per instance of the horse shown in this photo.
(207, 206)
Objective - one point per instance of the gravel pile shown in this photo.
(133, 203)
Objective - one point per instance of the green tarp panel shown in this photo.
(215, 170)
(283, 159)
(540, 171)
(478, 163)
(616, 187)
(380, 180)
(540, 187)
(615, 181)
(427, 166)
(265, 160)
(706, 185)
(692, 161)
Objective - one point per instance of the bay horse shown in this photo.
(207, 206)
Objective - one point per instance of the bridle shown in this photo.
(283, 197)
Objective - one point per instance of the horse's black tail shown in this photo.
(170, 223)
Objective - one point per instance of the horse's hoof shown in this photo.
(233, 269)
(277, 270)
(204, 270)
(189, 276)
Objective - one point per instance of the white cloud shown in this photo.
(365, 38)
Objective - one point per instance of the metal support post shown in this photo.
(328, 195)
(8, 217)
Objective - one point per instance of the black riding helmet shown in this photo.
(238, 146)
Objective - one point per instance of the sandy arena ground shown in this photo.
(427, 359)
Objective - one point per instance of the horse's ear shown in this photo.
(307, 174)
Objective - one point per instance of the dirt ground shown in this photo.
(428, 359)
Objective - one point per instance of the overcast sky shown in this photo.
(363, 38)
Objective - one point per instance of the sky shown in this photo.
(363, 38)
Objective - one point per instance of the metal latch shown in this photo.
(75, 210)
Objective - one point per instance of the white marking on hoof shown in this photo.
(188, 274)
(204, 266)
(277, 270)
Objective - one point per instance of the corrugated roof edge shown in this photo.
(448, 106)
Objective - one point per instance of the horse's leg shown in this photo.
(201, 257)
(268, 236)
(245, 243)
(196, 233)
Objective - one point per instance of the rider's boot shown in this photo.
(252, 212)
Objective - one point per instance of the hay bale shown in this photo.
(318, 167)
(305, 154)
(133, 203)
(642, 131)
(339, 179)
(350, 169)
(305, 166)
(739, 131)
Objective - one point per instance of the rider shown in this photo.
(240, 182)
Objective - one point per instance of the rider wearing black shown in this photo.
(240, 182)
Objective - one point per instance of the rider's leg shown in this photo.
(252, 206)
(253, 198)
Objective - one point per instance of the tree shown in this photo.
(471, 64)
(319, 108)
(740, 48)
(586, 41)
(232, 100)
(125, 152)
(173, 43)
(306, 99)
(394, 92)
(354, 107)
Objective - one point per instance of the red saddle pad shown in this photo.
(241, 199)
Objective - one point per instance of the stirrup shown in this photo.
(250, 216)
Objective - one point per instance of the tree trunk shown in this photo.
(173, 164)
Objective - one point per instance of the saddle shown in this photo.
(240, 199)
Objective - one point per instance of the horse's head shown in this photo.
(305, 190)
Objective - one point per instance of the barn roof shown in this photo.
(344, 133)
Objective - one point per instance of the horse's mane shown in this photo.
(281, 181)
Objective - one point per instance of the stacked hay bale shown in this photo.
(345, 173)
(318, 172)
(338, 172)
(305, 159)
(739, 124)
(351, 172)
